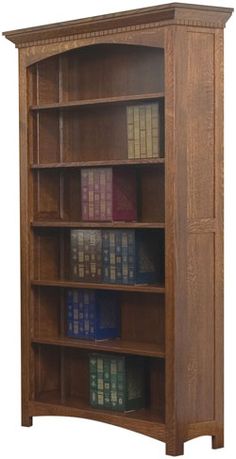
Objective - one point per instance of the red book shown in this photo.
(108, 194)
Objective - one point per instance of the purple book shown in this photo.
(108, 194)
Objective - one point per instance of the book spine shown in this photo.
(112, 256)
(102, 203)
(74, 255)
(91, 206)
(124, 257)
(131, 257)
(105, 256)
(84, 195)
(130, 132)
(95, 262)
(143, 134)
(118, 256)
(81, 314)
(107, 383)
(70, 315)
(124, 195)
(149, 130)
(92, 315)
(97, 195)
(109, 194)
(81, 254)
(156, 130)
(86, 304)
(100, 382)
(136, 132)
(93, 380)
(121, 389)
(114, 383)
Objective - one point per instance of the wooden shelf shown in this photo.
(114, 345)
(149, 288)
(100, 101)
(146, 420)
(111, 162)
(69, 224)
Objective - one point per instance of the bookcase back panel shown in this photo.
(47, 370)
(76, 374)
(111, 70)
(46, 195)
(95, 133)
(47, 80)
(46, 131)
(142, 317)
(47, 312)
(156, 384)
(151, 202)
(47, 254)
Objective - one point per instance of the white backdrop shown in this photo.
(69, 437)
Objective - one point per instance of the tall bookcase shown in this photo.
(76, 80)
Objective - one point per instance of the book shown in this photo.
(118, 256)
(117, 382)
(145, 135)
(92, 314)
(108, 194)
(86, 264)
(132, 256)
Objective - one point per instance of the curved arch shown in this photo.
(154, 39)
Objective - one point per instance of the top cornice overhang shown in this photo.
(156, 16)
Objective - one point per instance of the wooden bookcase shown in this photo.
(76, 80)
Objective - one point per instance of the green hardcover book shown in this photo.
(135, 383)
(100, 382)
(119, 382)
(93, 380)
(114, 383)
(107, 383)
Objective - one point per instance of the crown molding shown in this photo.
(145, 18)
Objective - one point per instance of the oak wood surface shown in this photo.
(76, 79)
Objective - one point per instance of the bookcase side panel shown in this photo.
(197, 316)
(25, 202)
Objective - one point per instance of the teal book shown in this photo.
(119, 381)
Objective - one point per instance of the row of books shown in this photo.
(92, 314)
(123, 256)
(108, 194)
(117, 382)
(145, 130)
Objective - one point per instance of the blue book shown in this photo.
(92, 314)
(149, 254)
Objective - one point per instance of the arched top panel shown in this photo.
(98, 71)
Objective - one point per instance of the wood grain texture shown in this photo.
(173, 13)
(218, 439)
(176, 54)
(25, 248)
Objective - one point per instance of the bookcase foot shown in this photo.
(218, 440)
(175, 448)
(27, 421)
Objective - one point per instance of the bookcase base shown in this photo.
(218, 439)
(151, 428)
(26, 420)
